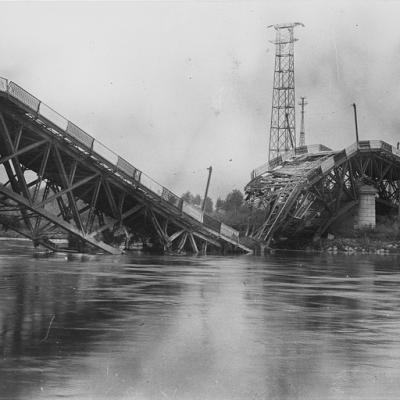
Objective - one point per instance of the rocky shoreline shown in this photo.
(364, 245)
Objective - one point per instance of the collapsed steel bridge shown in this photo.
(57, 179)
(305, 191)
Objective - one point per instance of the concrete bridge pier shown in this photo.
(366, 215)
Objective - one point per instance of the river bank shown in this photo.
(383, 239)
(365, 242)
(365, 245)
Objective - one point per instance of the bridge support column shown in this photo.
(366, 217)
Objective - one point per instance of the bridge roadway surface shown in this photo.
(59, 180)
(305, 191)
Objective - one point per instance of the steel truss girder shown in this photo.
(22, 201)
(30, 206)
(335, 193)
(169, 232)
(79, 191)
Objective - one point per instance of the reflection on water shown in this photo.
(139, 327)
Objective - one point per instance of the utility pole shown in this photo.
(282, 136)
(203, 206)
(355, 121)
(302, 103)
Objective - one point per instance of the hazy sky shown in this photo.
(175, 86)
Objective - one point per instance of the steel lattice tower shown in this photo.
(282, 135)
(302, 103)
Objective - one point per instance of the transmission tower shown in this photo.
(302, 103)
(282, 135)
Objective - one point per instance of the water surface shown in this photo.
(284, 326)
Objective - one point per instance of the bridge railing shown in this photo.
(193, 211)
(77, 133)
(104, 152)
(23, 96)
(54, 117)
(3, 84)
(96, 149)
(366, 145)
(229, 232)
(351, 149)
(327, 164)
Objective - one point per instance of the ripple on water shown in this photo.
(293, 326)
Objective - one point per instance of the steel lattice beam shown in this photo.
(58, 180)
(327, 189)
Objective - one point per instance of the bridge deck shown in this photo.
(96, 190)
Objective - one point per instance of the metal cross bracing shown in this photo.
(282, 136)
(306, 194)
(61, 182)
(278, 207)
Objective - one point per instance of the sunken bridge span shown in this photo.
(305, 191)
(57, 180)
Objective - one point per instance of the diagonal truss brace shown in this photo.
(22, 201)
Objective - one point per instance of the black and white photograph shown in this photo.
(200, 200)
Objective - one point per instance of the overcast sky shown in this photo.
(175, 87)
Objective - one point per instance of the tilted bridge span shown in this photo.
(58, 178)
(307, 189)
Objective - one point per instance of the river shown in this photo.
(283, 326)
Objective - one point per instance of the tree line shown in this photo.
(233, 210)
